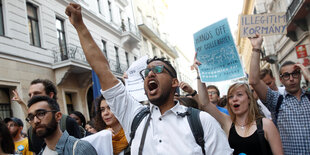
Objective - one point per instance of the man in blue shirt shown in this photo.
(44, 116)
(214, 97)
(293, 112)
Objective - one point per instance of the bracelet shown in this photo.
(256, 50)
(194, 93)
(198, 77)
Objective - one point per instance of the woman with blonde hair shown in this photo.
(248, 132)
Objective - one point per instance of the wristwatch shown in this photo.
(194, 93)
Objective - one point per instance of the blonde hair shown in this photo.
(254, 112)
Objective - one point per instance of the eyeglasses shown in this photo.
(39, 114)
(286, 76)
(156, 69)
(212, 92)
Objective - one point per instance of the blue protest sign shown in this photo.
(217, 52)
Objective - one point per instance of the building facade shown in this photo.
(150, 18)
(38, 41)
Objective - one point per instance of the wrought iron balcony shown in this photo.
(69, 52)
(117, 67)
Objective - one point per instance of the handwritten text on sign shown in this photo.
(263, 24)
(217, 53)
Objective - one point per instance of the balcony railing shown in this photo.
(127, 26)
(76, 53)
(72, 52)
(292, 9)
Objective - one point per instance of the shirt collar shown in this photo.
(62, 142)
(176, 109)
(285, 93)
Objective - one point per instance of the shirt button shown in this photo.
(160, 119)
(160, 141)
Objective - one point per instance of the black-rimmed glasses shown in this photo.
(156, 69)
(286, 76)
(39, 114)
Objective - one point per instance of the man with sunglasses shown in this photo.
(292, 109)
(163, 130)
(44, 116)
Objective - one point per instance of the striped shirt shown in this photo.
(293, 121)
(65, 146)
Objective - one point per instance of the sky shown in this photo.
(188, 17)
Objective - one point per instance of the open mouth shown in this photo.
(236, 105)
(152, 85)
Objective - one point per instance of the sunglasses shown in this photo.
(286, 76)
(156, 69)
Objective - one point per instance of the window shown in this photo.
(1, 20)
(110, 10)
(127, 59)
(99, 6)
(33, 25)
(5, 106)
(104, 48)
(117, 58)
(69, 102)
(61, 39)
(154, 50)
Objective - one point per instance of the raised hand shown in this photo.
(186, 87)
(16, 97)
(73, 11)
(304, 70)
(256, 41)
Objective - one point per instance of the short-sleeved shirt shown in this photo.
(167, 133)
(22, 147)
(293, 121)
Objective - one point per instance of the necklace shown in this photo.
(242, 126)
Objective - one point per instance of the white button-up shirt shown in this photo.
(167, 133)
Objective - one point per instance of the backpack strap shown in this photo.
(280, 101)
(261, 135)
(196, 127)
(74, 146)
(135, 123)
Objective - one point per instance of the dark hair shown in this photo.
(170, 67)
(48, 86)
(91, 123)
(214, 87)
(264, 72)
(286, 63)
(81, 116)
(51, 102)
(6, 140)
(189, 102)
(223, 101)
(99, 123)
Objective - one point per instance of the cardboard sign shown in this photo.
(301, 51)
(217, 52)
(263, 24)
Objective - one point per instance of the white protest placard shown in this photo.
(134, 82)
(263, 24)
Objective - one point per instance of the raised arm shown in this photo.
(17, 99)
(94, 56)
(207, 106)
(187, 88)
(259, 86)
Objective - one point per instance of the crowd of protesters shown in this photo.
(255, 117)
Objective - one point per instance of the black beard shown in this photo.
(161, 99)
(50, 128)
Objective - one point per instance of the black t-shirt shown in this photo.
(36, 143)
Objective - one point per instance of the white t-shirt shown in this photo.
(101, 141)
(167, 133)
(48, 151)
